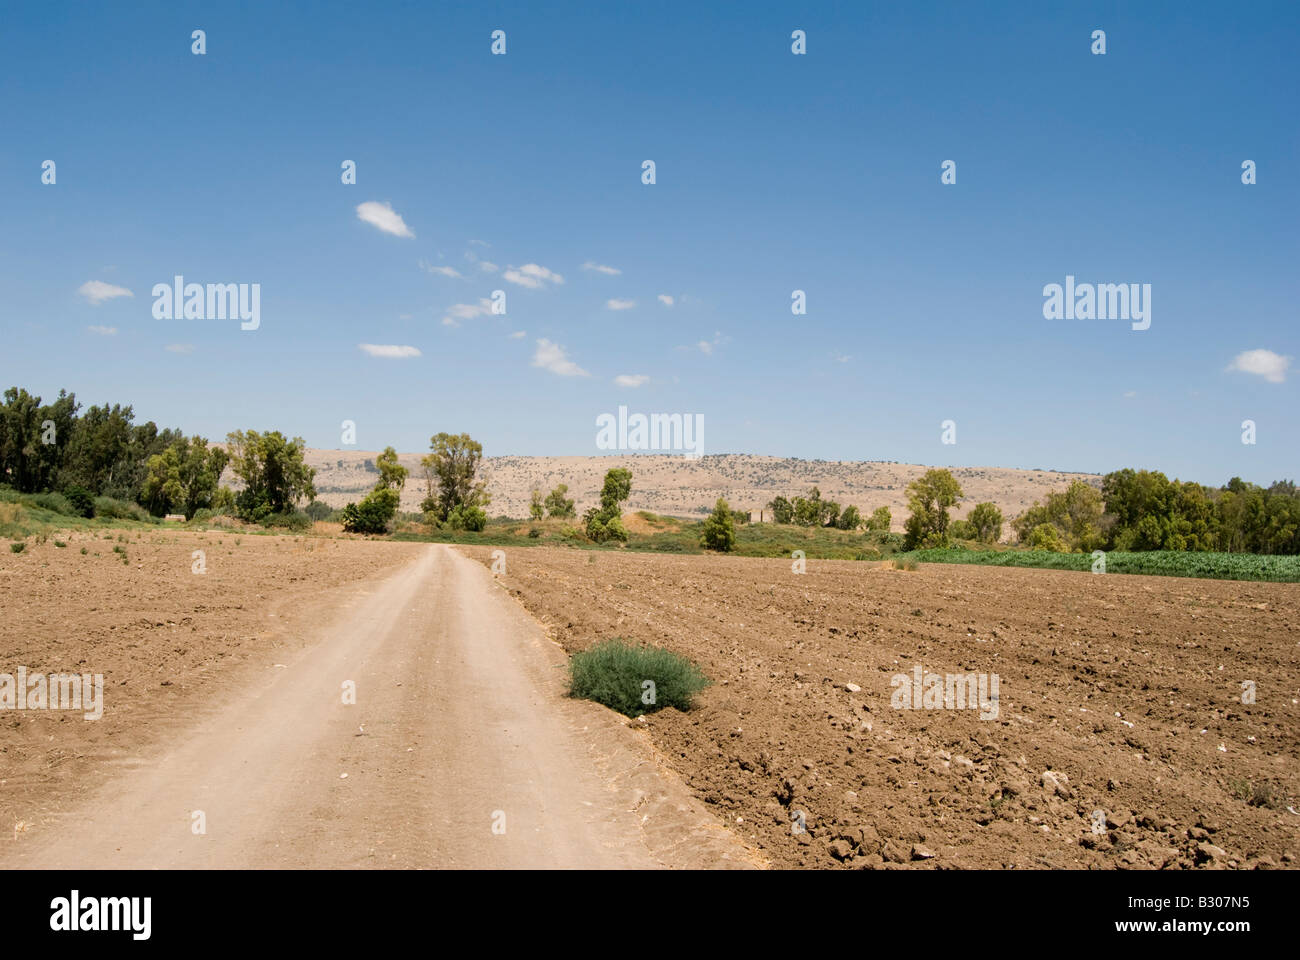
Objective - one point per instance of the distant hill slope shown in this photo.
(671, 484)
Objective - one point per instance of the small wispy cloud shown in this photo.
(466, 311)
(666, 300)
(383, 217)
(97, 291)
(103, 331)
(620, 304)
(441, 271)
(551, 356)
(518, 334)
(840, 357)
(487, 266)
(389, 350)
(179, 348)
(631, 379)
(1130, 394)
(1262, 363)
(707, 346)
(532, 275)
(601, 268)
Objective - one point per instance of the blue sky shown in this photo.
(774, 172)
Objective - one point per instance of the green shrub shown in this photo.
(60, 543)
(318, 511)
(534, 533)
(82, 500)
(18, 547)
(373, 514)
(467, 517)
(619, 675)
(84, 551)
(719, 530)
(289, 520)
(55, 503)
(122, 510)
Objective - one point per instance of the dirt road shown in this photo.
(459, 751)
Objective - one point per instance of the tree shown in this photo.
(986, 522)
(880, 520)
(557, 506)
(1076, 513)
(605, 522)
(536, 509)
(376, 510)
(34, 439)
(929, 498)
(392, 475)
(850, 519)
(782, 510)
(719, 533)
(451, 475)
(274, 475)
(185, 476)
(100, 440)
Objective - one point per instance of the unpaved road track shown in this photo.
(460, 751)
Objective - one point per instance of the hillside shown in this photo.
(676, 486)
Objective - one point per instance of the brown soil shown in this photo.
(1117, 693)
(168, 641)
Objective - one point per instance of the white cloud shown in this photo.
(103, 331)
(532, 275)
(487, 266)
(631, 379)
(551, 356)
(179, 348)
(442, 271)
(466, 311)
(706, 346)
(1130, 394)
(389, 350)
(518, 334)
(840, 357)
(666, 300)
(1263, 363)
(383, 217)
(620, 304)
(601, 268)
(97, 291)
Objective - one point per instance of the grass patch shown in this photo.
(18, 547)
(624, 677)
(1165, 563)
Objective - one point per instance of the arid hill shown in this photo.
(676, 486)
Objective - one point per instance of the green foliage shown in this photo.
(18, 547)
(274, 474)
(184, 477)
(451, 476)
(615, 673)
(985, 523)
(536, 507)
(1047, 536)
(82, 501)
(605, 522)
(34, 439)
(850, 519)
(556, 504)
(880, 520)
(1076, 514)
(961, 530)
(373, 514)
(392, 475)
(1168, 563)
(929, 498)
(782, 510)
(318, 511)
(719, 531)
(467, 517)
(122, 510)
